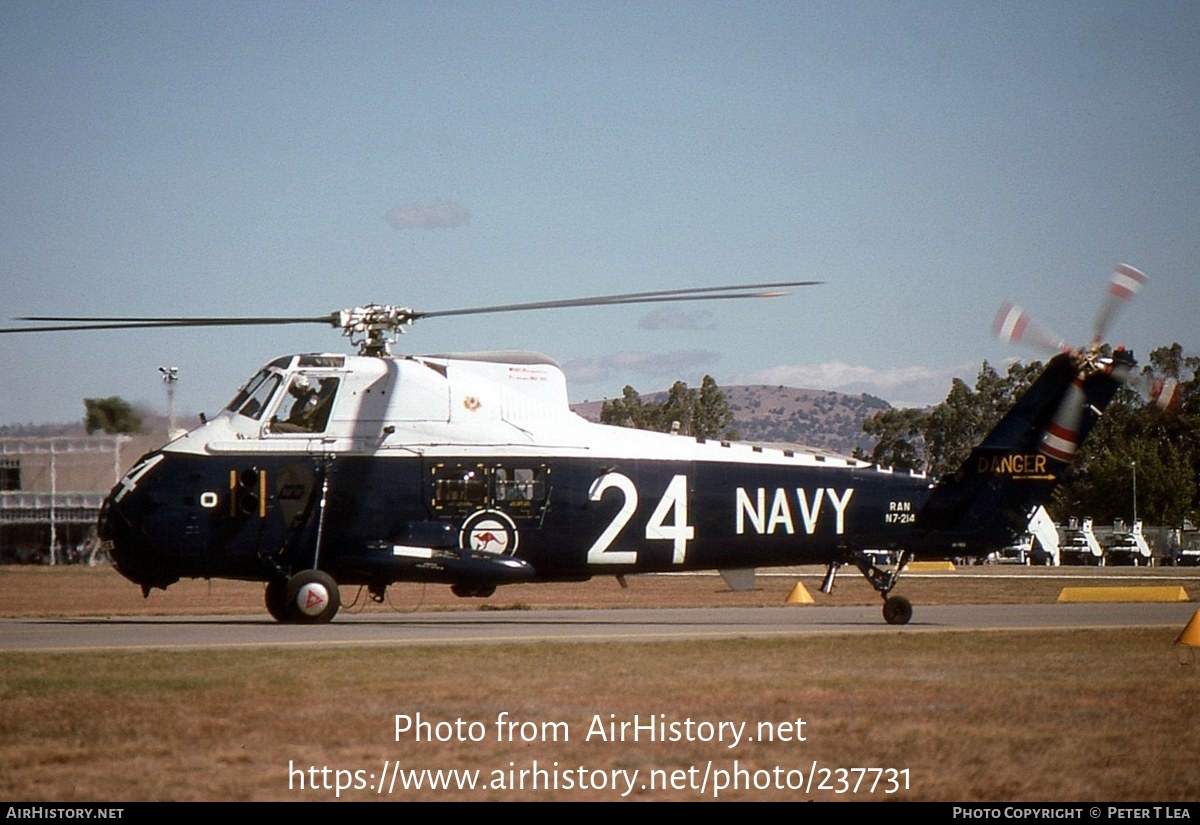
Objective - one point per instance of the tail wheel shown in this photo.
(308, 597)
(897, 610)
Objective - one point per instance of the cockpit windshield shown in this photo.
(256, 386)
(252, 400)
(247, 390)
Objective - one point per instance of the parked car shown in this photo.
(1081, 546)
(1183, 556)
(1129, 548)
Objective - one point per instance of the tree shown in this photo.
(899, 438)
(678, 412)
(938, 440)
(113, 415)
(713, 417)
(703, 414)
(1162, 447)
(627, 411)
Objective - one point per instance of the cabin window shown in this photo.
(521, 491)
(306, 405)
(520, 488)
(459, 488)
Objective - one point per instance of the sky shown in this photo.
(925, 160)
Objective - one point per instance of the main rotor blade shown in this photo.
(393, 317)
(75, 323)
(656, 296)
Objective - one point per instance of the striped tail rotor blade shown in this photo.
(1014, 325)
(1125, 283)
(1165, 393)
(1061, 439)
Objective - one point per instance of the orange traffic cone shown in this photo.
(800, 595)
(1191, 633)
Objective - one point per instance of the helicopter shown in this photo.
(330, 470)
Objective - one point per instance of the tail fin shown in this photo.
(1022, 460)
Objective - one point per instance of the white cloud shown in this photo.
(677, 319)
(913, 386)
(435, 215)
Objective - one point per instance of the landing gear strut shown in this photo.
(896, 609)
(308, 596)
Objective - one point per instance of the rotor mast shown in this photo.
(374, 328)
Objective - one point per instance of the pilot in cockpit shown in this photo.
(306, 409)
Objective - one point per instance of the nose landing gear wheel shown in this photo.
(308, 597)
(897, 610)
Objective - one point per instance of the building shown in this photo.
(51, 489)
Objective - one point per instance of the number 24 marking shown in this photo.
(673, 505)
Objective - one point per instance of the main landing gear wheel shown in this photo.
(308, 597)
(897, 610)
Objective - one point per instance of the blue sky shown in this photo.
(928, 160)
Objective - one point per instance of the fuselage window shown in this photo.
(305, 406)
(521, 491)
(520, 488)
(459, 488)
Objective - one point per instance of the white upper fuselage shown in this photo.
(510, 403)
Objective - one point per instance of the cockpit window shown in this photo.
(306, 406)
(247, 389)
(259, 395)
(253, 385)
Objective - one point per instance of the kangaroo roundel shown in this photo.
(489, 531)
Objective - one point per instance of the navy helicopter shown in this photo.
(470, 469)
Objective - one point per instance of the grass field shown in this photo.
(1014, 716)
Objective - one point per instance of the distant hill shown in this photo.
(768, 414)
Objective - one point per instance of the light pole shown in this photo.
(1133, 466)
(169, 376)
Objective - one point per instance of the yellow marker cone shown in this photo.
(799, 595)
(1191, 633)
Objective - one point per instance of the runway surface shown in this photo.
(215, 632)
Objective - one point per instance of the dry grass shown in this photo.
(1010, 716)
(1017, 716)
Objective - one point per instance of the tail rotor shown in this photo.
(1015, 325)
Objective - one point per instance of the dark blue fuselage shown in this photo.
(365, 518)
